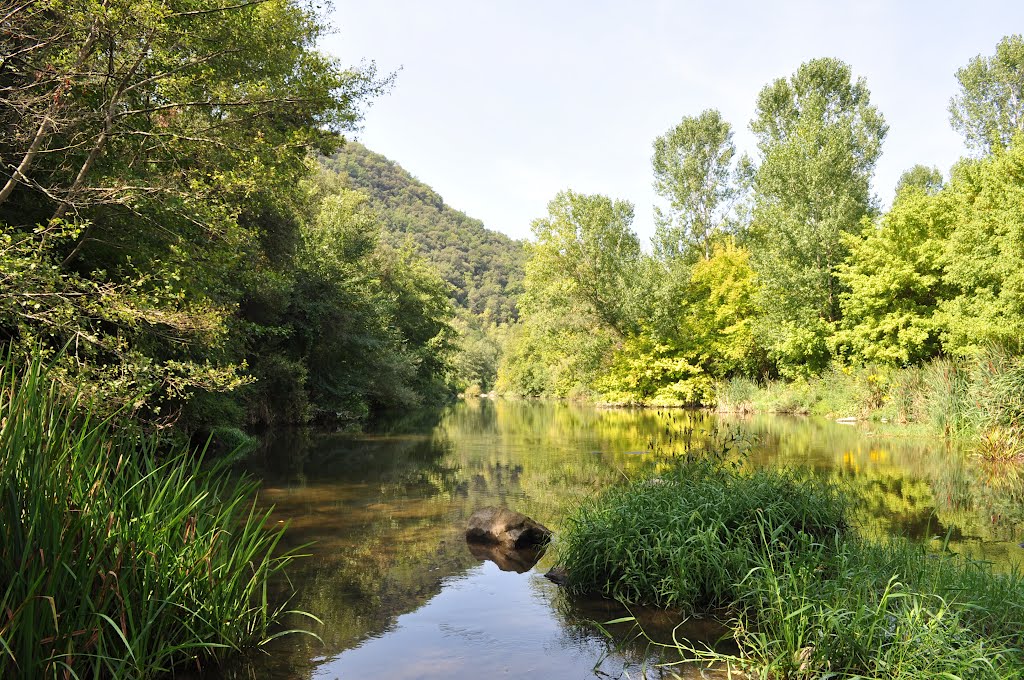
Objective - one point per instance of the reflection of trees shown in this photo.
(905, 486)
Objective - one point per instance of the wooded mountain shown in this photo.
(484, 266)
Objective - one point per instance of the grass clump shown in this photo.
(686, 539)
(876, 611)
(118, 560)
(805, 597)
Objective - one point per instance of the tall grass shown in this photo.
(118, 560)
(978, 398)
(686, 539)
(803, 595)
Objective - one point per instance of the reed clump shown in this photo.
(772, 555)
(119, 559)
(687, 538)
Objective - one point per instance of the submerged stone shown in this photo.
(557, 575)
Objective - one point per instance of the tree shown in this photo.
(719, 312)
(587, 260)
(157, 147)
(819, 137)
(894, 280)
(581, 300)
(927, 179)
(692, 166)
(983, 255)
(989, 110)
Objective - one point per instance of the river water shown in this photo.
(401, 597)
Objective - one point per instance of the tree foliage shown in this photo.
(587, 259)
(159, 231)
(989, 110)
(819, 137)
(983, 254)
(894, 282)
(692, 171)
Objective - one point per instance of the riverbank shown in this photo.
(979, 399)
(120, 558)
(802, 593)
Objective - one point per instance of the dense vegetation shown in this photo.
(485, 267)
(119, 559)
(164, 224)
(805, 597)
(780, 264)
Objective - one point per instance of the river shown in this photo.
(401, 597)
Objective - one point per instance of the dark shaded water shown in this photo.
(401, 596)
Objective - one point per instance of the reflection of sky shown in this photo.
(486, 623)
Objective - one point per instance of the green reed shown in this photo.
(119, 559)
(805, 597)
(687, 538)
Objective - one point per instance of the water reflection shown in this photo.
(401, 595)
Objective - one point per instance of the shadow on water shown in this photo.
(402, 596)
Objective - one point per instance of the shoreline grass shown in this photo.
(979, 399)
(119, 559)
(803, 594)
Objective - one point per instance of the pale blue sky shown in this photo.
(498, 106)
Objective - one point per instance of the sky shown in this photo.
(500, 105)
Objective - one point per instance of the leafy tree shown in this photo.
(989, 110)
(553, 352)
(819, 137)
(894, 280)
(582, 297)
(983, 255)
(587, 260)
(362, 326)
(169, 136)
(692, 167)
(646, 371)
(927, 179)
(720, 311)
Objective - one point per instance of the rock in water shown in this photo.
(557, 575)
(501, 525)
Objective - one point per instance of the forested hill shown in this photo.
(486, 267)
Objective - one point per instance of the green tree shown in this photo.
(989, 110)
(155, 148)
(587, 260)
(894, 281)
(927, 179)
(581, 300)
(983, 255)
(720, 312)
(819, 137)
(365, 325)
(692, 171)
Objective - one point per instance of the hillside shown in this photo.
(484, 266)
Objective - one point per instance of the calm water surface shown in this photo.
(401, 596)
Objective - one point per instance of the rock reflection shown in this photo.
(506, 557)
